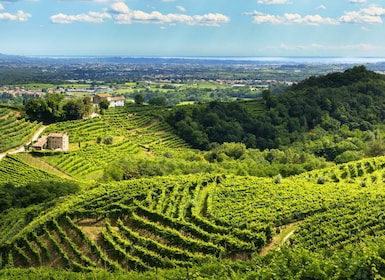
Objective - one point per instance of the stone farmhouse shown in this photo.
(118, 101)
(54, 141)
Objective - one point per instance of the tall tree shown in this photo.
(139, 99)
(74, 109)
(104, 104)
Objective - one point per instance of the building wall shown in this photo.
(58, 142)
(65, 142)
(117, 103)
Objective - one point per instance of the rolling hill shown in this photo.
(151, 207)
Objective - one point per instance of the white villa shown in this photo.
(118, 101)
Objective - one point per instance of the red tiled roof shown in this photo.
(103, 95)
(117, 98)
(40, 142)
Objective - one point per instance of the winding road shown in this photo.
(21, 148)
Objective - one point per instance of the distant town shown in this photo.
(177, 80)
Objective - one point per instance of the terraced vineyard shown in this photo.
(132, 134)
(172, 221)
(136, 225)
(15, 131)
(84, 131)
(145, 129)
(18, 172)
(88, 162)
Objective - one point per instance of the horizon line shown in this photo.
(241, 58)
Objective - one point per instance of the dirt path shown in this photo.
(286, 238)
(21, 148)
(280, 239)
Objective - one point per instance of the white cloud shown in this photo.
(153, 17)
(273, 2)
(124, 15)
(357, 1)
(321, 7)
(287, 18)
(120, 7)
(209, 20)
(181, 9)
(91, 17)
(1, 7)
(372, 14)
(19, 16)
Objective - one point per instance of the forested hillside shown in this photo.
(352, 100)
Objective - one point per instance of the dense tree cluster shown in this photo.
(34, 193)
(354, 98)
(8, 98)
(172, 95)
(228, 122)
(227, 158)
(52, 108)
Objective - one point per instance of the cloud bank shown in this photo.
(287, 18)
(120, 13)
(371, 15)
(91, 17)
(18, 16)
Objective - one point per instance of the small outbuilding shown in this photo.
(41, 143)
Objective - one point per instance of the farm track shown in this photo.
(280, 239)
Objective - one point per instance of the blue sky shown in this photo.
(193, 27)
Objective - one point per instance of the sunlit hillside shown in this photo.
(131, 199)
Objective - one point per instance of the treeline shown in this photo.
(354, 98)
(223, 122)
(173, 95)
(28, 74)
(7, 98)
(12, 196)
(227, 158)
(53, 108)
